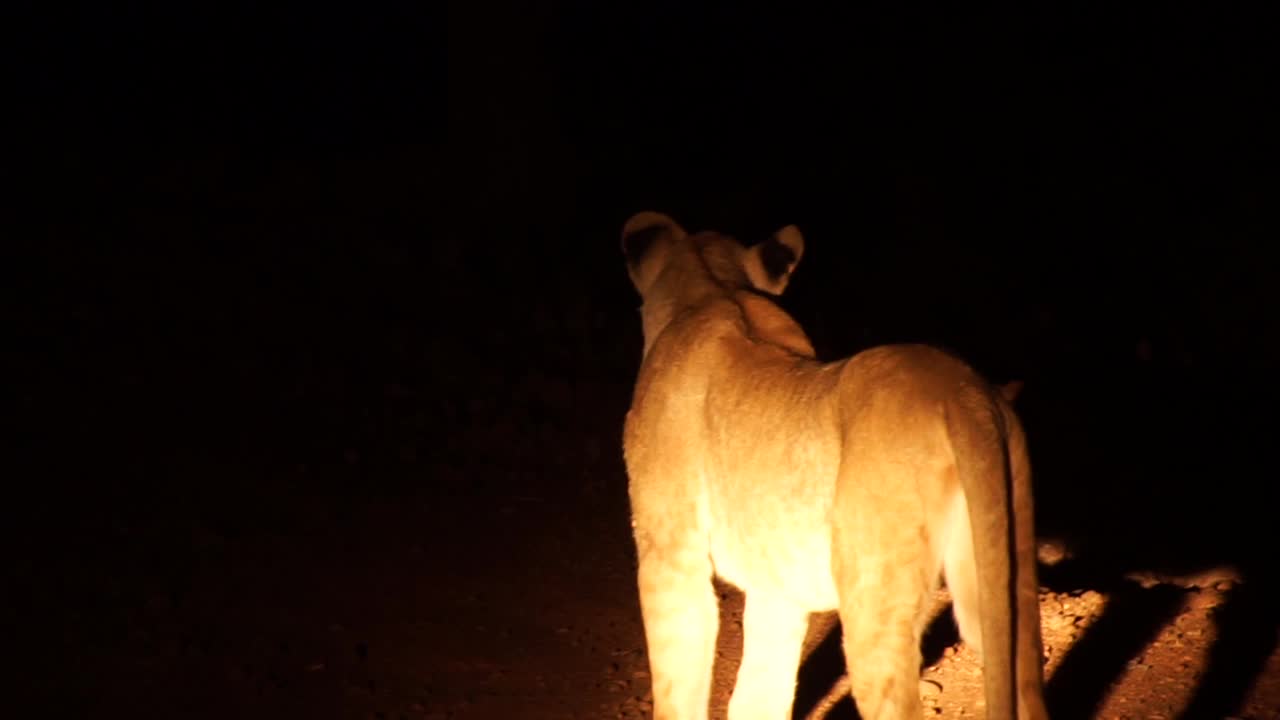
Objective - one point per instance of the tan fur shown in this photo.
(853, 485)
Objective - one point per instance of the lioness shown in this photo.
(852, 485)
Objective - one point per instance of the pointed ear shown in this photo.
(646, 237)
(769, 264)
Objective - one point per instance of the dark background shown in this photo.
(264, 256)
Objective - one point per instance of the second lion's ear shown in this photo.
(645, 239)
(769, 264)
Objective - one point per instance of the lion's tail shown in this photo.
(994, 473)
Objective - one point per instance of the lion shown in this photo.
(856, 486)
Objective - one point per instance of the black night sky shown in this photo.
(276, 266)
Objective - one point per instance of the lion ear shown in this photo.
(1011, 389)
(646, 237)
(769, 264)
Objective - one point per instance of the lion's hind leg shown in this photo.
(886, 575)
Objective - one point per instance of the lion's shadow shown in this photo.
(1159, 472)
